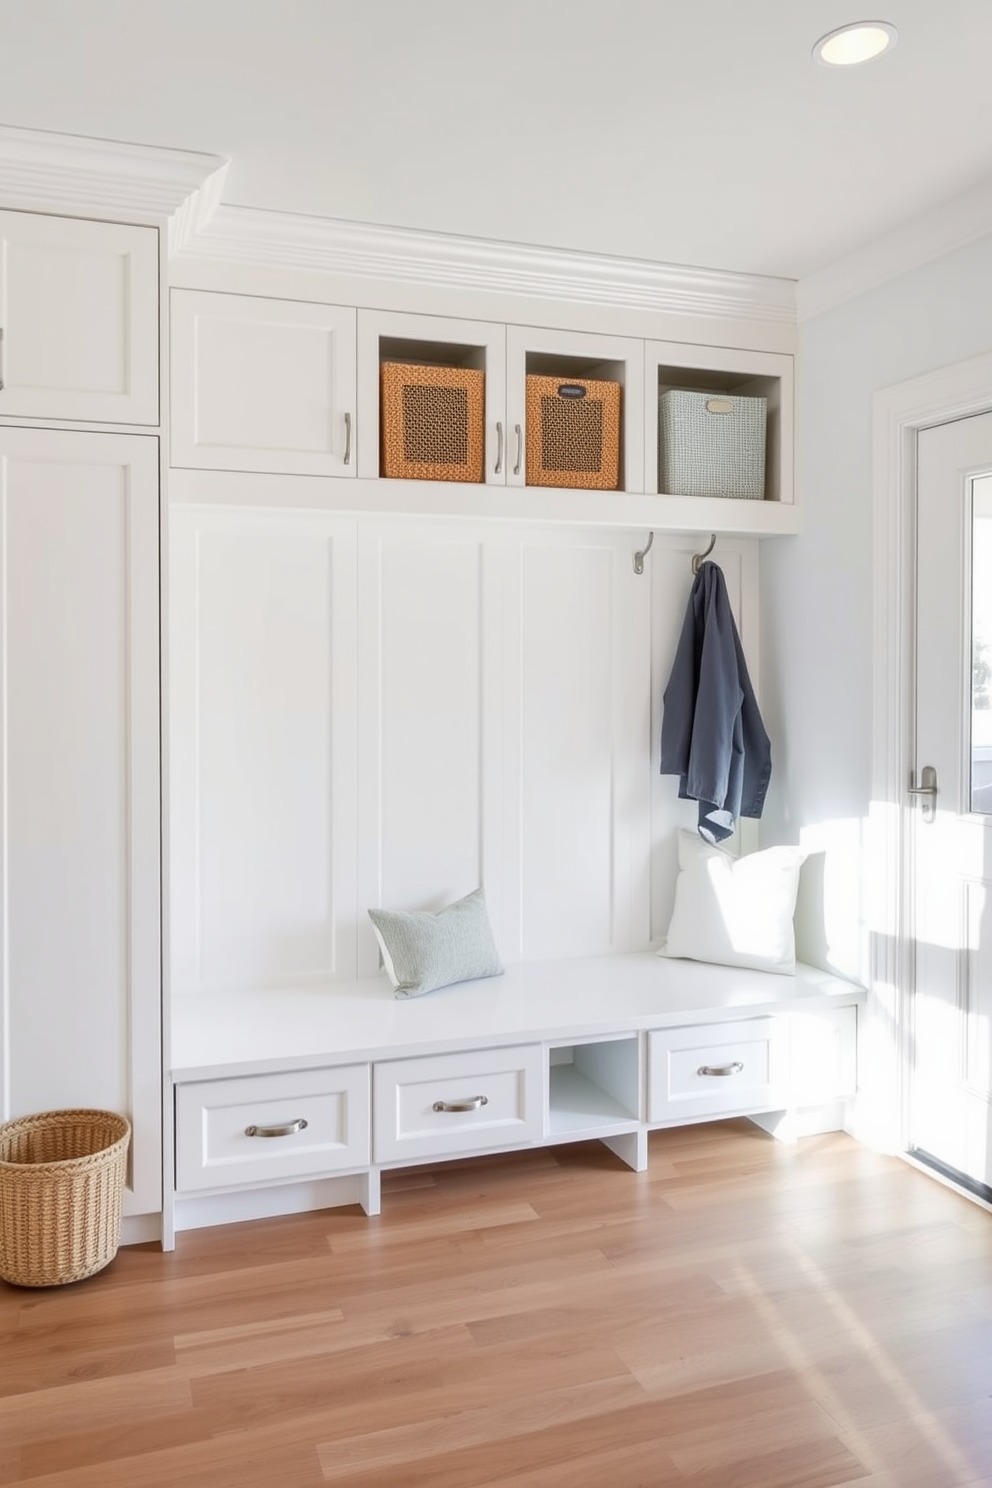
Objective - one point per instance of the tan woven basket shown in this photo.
(61, 1195)
(433, 422)
(573, 432)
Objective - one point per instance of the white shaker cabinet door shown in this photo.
(260, 384)
(78, 320)
(79, 814)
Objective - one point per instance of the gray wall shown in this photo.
(817, 587)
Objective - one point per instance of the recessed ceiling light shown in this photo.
(858, 42)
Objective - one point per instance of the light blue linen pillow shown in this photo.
(423, 949)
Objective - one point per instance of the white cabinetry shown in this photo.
(262, 384)
(506, 354)
(596, 1048)
(78, 320)
(79, 819)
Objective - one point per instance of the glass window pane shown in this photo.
(981, 647)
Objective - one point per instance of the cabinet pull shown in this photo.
(499, 448)
(721, 1069)
(347, 439)
(288, 1129)
(472, 1104)
(520, 448)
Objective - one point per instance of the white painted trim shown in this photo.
(912, 244)
(47, 172)
(900, 411)
(284, 240)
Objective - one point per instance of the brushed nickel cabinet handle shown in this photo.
(721, 1069)
(347, 439)
(287, 1129)
(472, 1104)
(520, 448)
(499, 448)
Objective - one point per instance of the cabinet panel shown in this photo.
(79, 320)
(575, 752)
(452, 1104)
(262, 384)
(263, 754)
(425, 684)
(267, 1128)
(80, 809)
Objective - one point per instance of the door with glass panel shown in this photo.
(951, 795)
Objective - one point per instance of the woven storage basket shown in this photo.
(573, 433)
(711, 444)
(61, 1195)
(433, 422)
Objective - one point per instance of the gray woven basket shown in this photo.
(61, 1195)
(711, 444)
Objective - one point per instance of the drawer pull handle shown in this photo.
(347, 440)
(520, 448)
(472, 1104)
(288, 1129)
(499, 448)
(721, 1069)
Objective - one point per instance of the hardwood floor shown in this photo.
(743, 1315)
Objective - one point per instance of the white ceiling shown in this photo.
(697, 133)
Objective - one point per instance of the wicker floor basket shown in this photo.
(61, 1195)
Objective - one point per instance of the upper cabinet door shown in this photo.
(79, 320)
(433, 397)
(260, 384)
(574, 410)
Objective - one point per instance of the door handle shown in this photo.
(927, 792)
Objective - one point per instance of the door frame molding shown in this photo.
(900, 411)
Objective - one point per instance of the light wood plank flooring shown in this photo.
(743, 1315)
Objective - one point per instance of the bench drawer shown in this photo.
(717, 1069)
(447, 1105)
(261, 1128)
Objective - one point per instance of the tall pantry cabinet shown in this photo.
(80, 919)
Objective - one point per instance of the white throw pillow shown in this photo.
(735, 911)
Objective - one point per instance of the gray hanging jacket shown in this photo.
(712, 735)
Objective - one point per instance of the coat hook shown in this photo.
(640, 557)
(697, 558)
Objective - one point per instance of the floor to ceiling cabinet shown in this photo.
(79, 812)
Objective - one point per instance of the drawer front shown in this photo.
(717, 1069)
(452, 1104)
(260, 1128)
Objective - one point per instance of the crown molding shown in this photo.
(284, 240)
(909, 246)
(104, 178)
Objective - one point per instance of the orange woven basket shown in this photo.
(61, 1195)
(433, 422)
(573, 432)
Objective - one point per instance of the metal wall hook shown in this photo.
(697, 558)
(640, 557)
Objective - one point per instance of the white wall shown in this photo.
(817, 588)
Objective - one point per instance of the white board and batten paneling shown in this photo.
(78, 320)
(263, 765)
(79, 813)
(393, 712)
